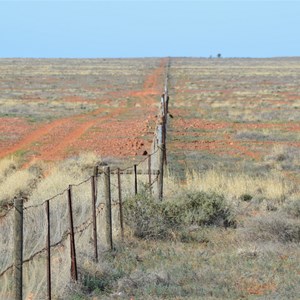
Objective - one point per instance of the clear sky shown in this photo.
(149, 28)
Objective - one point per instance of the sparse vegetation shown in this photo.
(228, 226)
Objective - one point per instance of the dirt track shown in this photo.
(108, 131)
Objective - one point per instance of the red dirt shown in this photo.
(215, 137)
(31, 137)
(108, 131)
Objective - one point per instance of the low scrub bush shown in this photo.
(275, 227)
(143, 215)
(198, 208)
(151, 219)
(292, 208)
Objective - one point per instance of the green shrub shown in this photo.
(246, 197)
(151, 219)
(143, 214)
(198, 208)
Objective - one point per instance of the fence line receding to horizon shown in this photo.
(43, 245)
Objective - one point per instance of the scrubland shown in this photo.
(229, 224)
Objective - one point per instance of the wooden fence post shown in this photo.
(120, 205)
(94, 216)
(160, 163)
(74, 274)
(48, 246)
(109, 238)
(18, 249)
(149, 174)
(135, 180)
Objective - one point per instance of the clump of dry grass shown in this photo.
(61, 175)
(18, 183)
(284, 158)
(7, 166)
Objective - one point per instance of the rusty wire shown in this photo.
(82, 227)
(78, 229)
(57, 195)
(49, 199)
(7, 212)
(82, 182)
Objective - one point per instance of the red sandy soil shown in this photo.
(226, 144)
(107, 131)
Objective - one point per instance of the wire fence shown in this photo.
(42, 245)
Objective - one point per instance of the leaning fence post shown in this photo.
(120, 204)
(109, 238)
(74, 274)
(94, 216)
(18, 251)
(48, 246)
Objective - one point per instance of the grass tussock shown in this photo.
(58, 178)
(17, 184)
(7, 166)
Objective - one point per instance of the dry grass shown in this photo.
(257, 259)
(56, 181)
(230, 264)
(7, 166)
(15, 182)
(273, 187)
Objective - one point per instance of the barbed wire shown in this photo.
(83, 226)
(49, 199)
(86, 180)
(6, 270)
(89, 221)
(7, 212)
(131, 166)
(65, 235)
(82, 182)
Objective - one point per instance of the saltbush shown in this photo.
(198, 208)
(143, 214)
(152, 219)
(292, 207)
(276, 227)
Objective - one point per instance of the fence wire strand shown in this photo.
(79, 229)
(86, 224)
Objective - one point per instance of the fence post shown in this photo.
(120, 205)
(135, 180)
(48, 246)
(94, 216)
(160, 162)
(18, 251)
(109, 238)
(74, 274)
(166, 104)
(149, 174)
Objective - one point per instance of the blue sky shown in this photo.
(149, 28)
